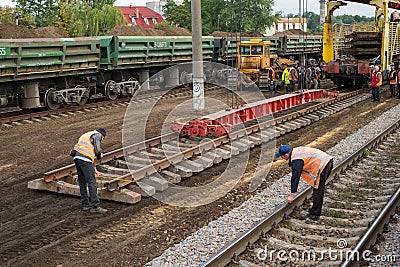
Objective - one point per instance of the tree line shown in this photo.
(98, 17)
(244, 15)
(76, 17)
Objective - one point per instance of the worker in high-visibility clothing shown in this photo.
(285, 78)
(85, 151)
(376, 83)
(314, 166)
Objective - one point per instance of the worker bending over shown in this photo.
(85, 151)
(314, 166)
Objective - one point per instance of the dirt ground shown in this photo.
(46, 229)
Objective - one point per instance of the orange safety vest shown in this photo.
(379, 75)
(296, 75)
(315, 161)
(398, 76)
(272, 72)
(393, 77)
(84, 146)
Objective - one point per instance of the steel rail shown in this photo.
(373, 231)
(60, 111)
(225, 255)
(157, 166)
(27, 116)
(70, 169)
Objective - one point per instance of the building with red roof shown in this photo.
(141, 16)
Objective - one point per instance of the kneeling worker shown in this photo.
(314, 166)
(84, 153)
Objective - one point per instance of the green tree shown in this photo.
(227, 15)
(6, 15)
(78, 18)
(43, 12)
(99, 3)
(313, 23)
(178, 15)
(350, 19)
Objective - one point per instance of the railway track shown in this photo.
(161, 162)
(15, 118)
(362, 194)
(80, 236)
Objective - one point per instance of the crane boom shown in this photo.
(395, 4)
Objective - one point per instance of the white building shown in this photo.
(285, 24)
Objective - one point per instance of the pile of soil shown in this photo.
(233, 34)
(12, 31)
(137, 31)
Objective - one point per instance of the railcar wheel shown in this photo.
(111, 90)
(84, 97)
(135, 89)
(50, 101)
(83, 101)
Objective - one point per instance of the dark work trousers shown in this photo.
(392, 90)
(398, 90)
(292, 86)
(376, 94)
(86, 180)
(318, 194)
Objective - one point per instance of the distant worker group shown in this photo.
(305, 78)
(377, 81)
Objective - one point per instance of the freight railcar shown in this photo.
(53, 72)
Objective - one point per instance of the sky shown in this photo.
(286, 6)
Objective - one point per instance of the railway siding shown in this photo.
(200, 246)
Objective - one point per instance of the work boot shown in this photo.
(86, 207)
(309, 216)
(98, 210)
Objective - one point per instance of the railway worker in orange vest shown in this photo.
(392, 80)
(376, 83)
(85, 151)
(314, 166)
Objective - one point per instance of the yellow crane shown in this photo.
(389, 38)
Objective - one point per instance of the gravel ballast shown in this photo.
(201, 245)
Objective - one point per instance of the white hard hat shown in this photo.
(377, 67)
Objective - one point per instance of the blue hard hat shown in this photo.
(283, 150)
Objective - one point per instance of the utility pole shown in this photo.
(197, 59)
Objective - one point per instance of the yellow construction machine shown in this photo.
(254, 58)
